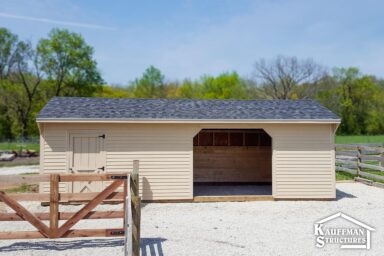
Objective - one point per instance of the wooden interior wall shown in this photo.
(232, 156)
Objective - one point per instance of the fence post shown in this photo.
(358, 161)
(54, 204)
(128, 217)
(135, 205)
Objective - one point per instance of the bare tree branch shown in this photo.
(280, 76)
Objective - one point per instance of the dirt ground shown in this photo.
(248, 228)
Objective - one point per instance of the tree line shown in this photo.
(63, 64)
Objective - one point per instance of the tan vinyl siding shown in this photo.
(303, 161)
(164, 152)
(53, 150)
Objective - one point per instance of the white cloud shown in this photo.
(58, 22)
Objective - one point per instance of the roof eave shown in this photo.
(183, 121)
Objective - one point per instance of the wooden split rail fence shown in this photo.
(91, 200)
(356, 159)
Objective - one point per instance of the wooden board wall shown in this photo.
(232, 164)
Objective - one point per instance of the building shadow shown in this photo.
(146, 188)
(151, 245)
(341, 194)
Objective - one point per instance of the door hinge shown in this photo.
(102, 168)
(117, 232)
(119, 177)
(102, 136)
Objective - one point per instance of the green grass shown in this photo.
(18, 146)
(340, 175)
(350, 139)
(373, 171)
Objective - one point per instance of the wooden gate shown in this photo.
(91, 200)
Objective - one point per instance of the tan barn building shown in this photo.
(182, 143)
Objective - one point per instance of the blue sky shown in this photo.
(186, 39)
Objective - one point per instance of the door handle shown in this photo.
(101, 168)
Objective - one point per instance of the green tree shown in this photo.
(188, 89)
(357, 99)
(20, 92)
(224, 86)
(150, 85)
(107, 91)
(68, 63)
(8, 44)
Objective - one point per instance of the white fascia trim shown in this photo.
(185, 121)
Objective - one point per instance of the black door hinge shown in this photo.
(117, 232)
(102, 168)
(119, 177)
(102, 136)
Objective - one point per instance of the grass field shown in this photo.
(340, 139)
(344, 176)
(18, 146)
(349, 139)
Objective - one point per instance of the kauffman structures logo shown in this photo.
(343, 230)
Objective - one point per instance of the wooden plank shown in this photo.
(372, 149)
(360, 144)
(87, 208)
(29, 197)
(358, 160)
(54, 205)
(347, 162)
(351, 146)
(71, 233)
(81, 197)
(370, 182)
(371, 166)
(370, 157)
(371, 175)
(25, 214)
(64, 197)
(346, 153)
(135, 208)
(344, 169)
(226, 164)
(14, 180)
(125, 192)
(65, 215)
(350, 158)
(88, 177)
(128, 222)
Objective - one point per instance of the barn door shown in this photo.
(87, 158)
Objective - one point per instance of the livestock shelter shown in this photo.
(184, 143)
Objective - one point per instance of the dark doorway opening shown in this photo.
(232, 162)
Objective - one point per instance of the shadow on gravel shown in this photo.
(341, 194)
(153, 245)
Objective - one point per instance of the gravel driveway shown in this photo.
(249, 228)
(19, 169)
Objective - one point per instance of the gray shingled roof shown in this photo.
(183, 109)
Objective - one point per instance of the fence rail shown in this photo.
(359, 159)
